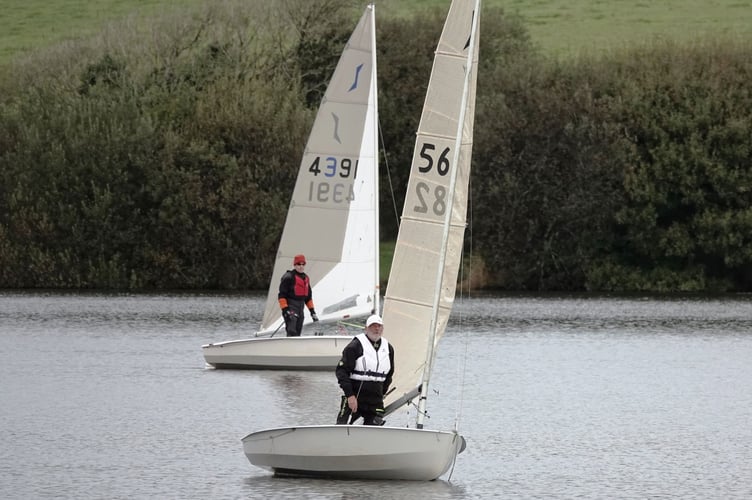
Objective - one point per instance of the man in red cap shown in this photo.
(294, 293)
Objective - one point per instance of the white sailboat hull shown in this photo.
(317, 352)
(354, 451)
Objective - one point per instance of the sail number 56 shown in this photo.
(442, 164)
(435, 201)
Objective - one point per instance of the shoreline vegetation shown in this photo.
(159, 152)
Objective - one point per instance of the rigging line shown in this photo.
(460, 359)
(465, 285)
(454, 462)
(388, 175)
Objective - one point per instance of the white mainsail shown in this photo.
(420, 292)
(333, 215)
(332, 220)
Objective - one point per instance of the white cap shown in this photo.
(374, 318)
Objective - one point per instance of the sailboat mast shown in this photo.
(374, 84)
(447, 218)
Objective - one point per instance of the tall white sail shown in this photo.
(423, 277)
(333, 215)
(332, 220)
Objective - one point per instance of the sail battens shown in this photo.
(433, 221)
(452, 54)
(436, 136)
(405, 300)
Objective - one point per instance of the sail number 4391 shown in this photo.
(332, 169)
(435, 202)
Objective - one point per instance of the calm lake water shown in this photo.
(107, 396)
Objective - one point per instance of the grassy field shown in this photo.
(27, 24)
(568, 27)
(559, 27)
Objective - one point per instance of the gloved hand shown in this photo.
(313, 315)
(289, 313)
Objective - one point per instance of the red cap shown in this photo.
(299, 259)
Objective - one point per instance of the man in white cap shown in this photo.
(364, 373)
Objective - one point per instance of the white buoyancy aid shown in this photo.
(373, 365)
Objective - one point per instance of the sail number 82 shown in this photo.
(436, 201)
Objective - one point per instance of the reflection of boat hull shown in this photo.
(354, 451)
(315, 352)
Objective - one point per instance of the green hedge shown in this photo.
(625, 172)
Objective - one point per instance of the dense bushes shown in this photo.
(165, 166)
(167, 160)
(687, 218)
(624, 172)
